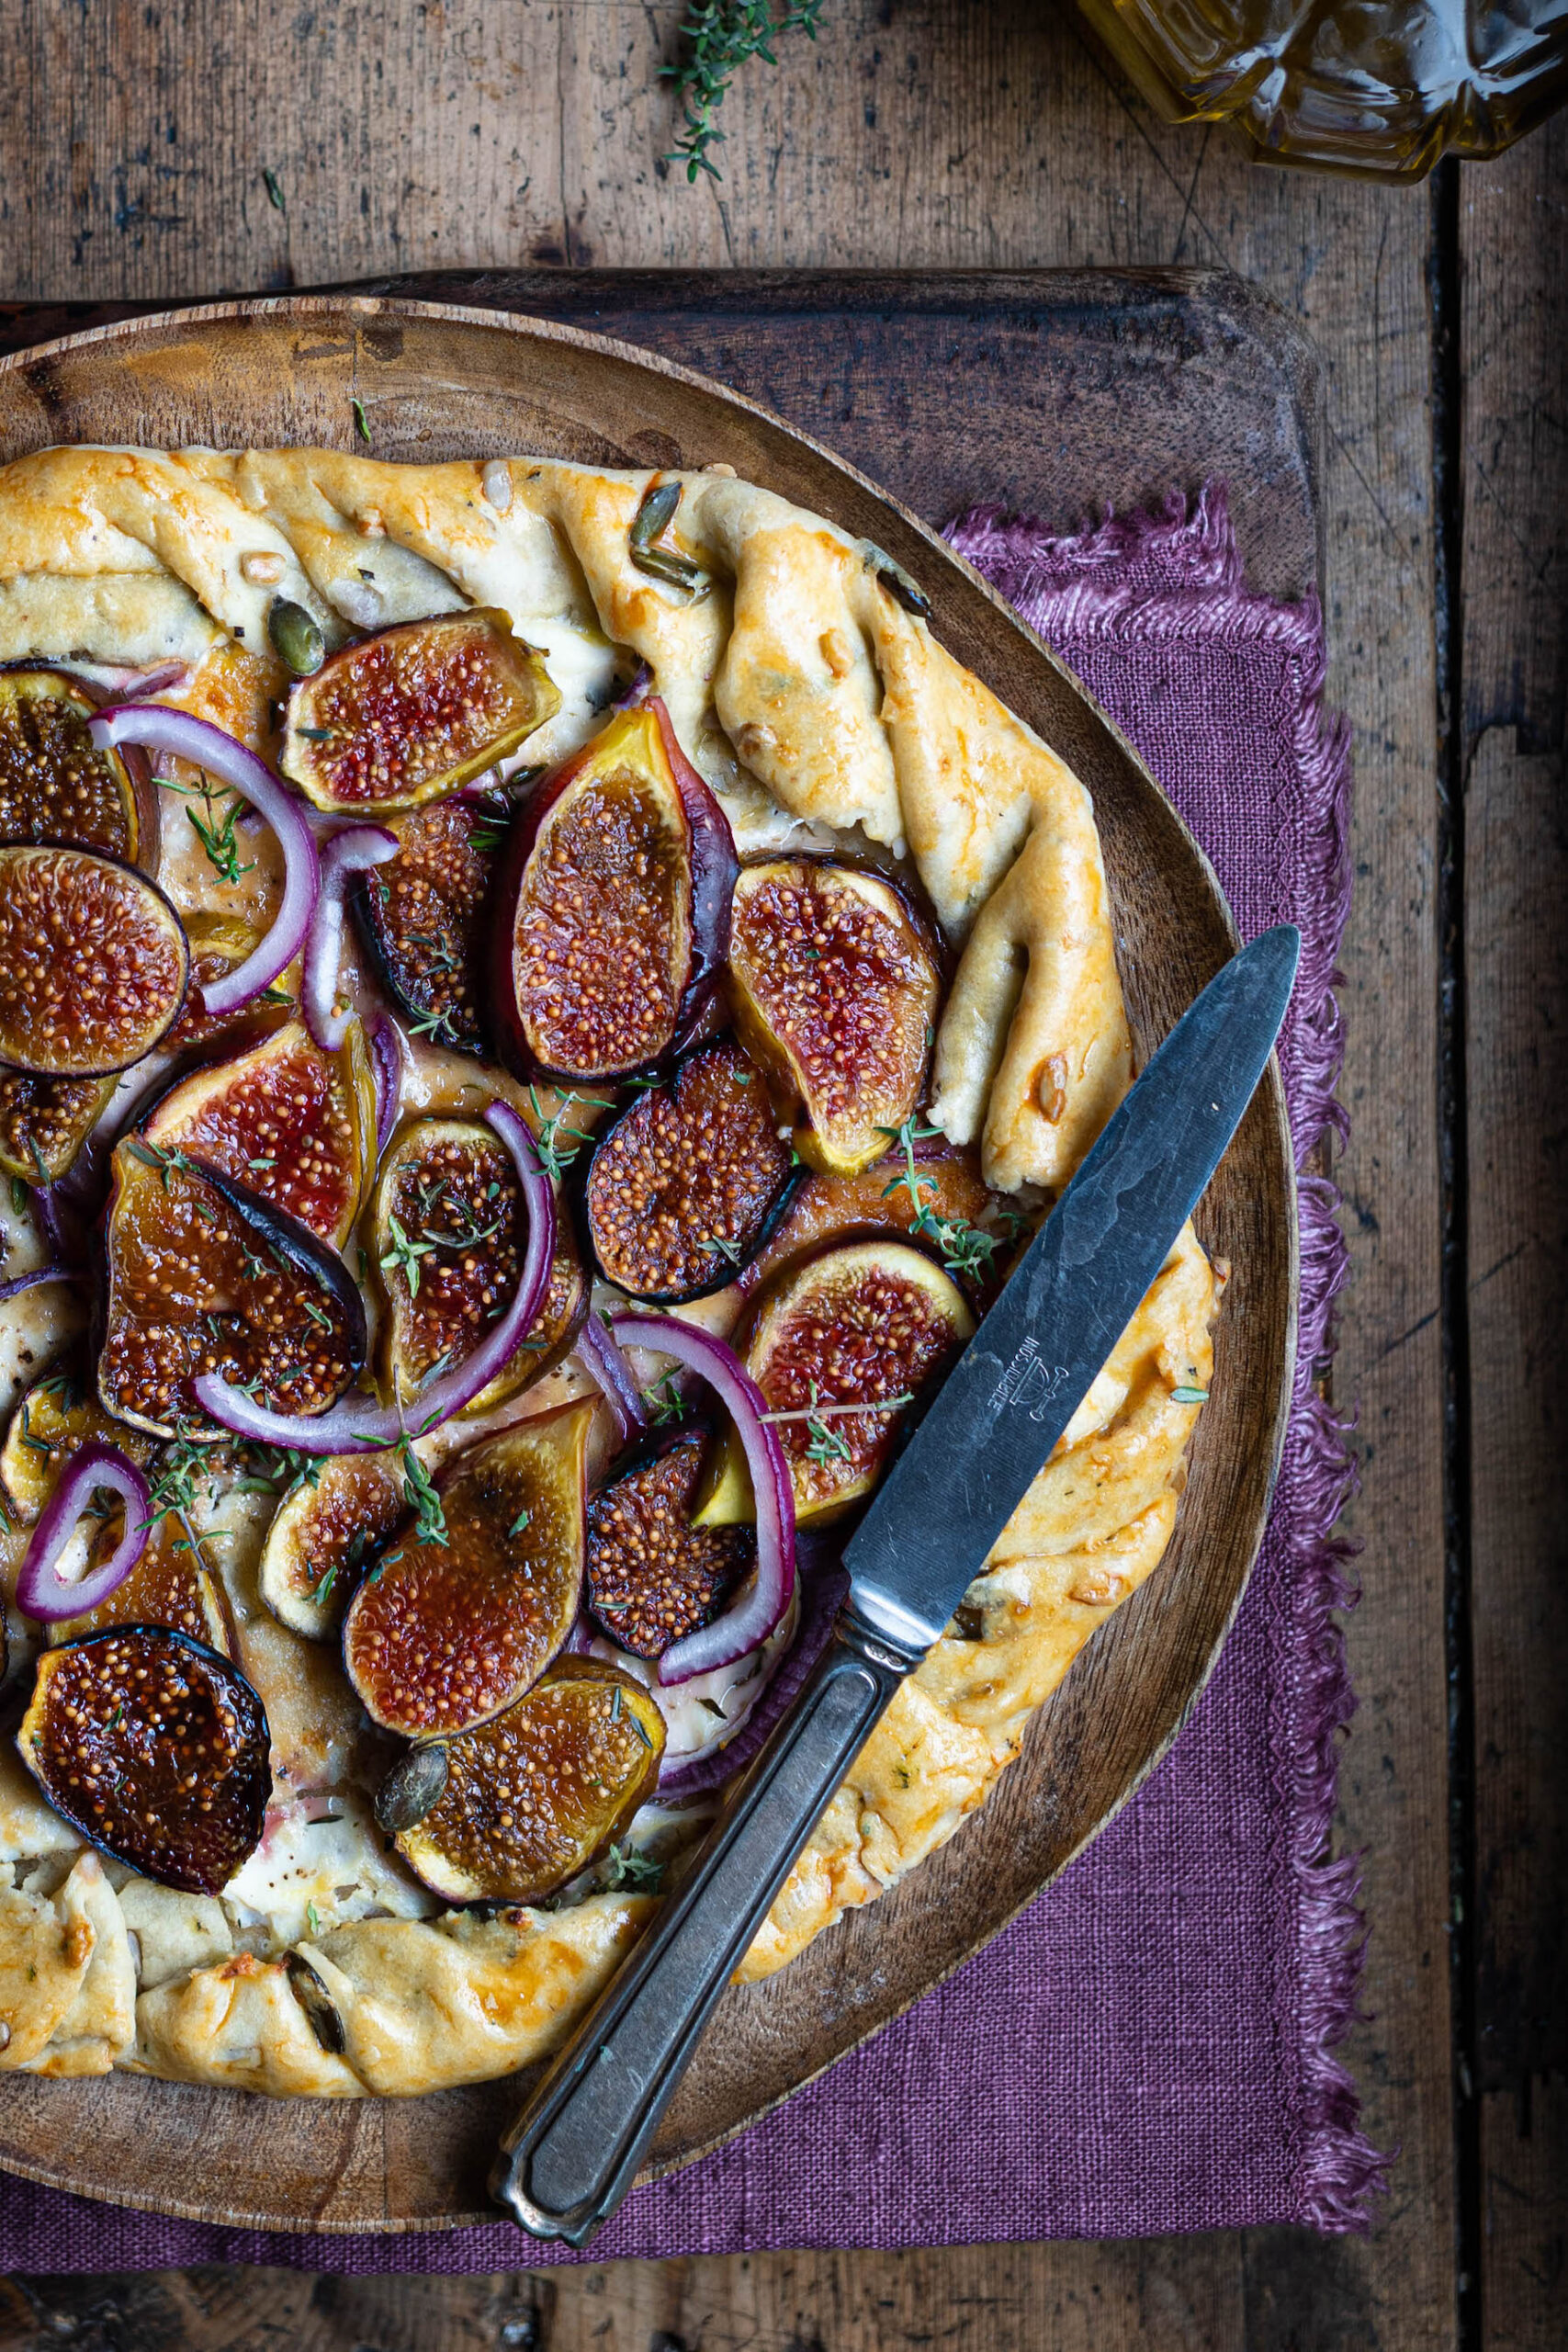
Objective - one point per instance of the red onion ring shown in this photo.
(605, 1364)
(353, 851)
(765, 1595)
(54, 1219)
(359, 1425)
(19, 1283)
(692, 1776)
(42, 1593)
(159, 728)
(389, 1063)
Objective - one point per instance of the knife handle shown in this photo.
(574, 2151)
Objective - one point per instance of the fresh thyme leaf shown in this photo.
(403, 1256)
(215, 831)
(731, 1249)
(361, 424)
(273, 191)
(419, 1493)
(312, 1919)
(322, 735)
(1189, 1396)
(719, 37)
(626, 1867)
(518, 1525)
(18, 1195)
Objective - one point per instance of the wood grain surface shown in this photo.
(939, 134)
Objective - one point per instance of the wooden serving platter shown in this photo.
(439, 380)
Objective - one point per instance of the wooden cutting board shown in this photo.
(1054, 393)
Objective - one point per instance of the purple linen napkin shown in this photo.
(1150, 2046)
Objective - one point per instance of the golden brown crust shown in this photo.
(816, 705)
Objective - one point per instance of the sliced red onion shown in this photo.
(578, 1643)
(765, 1596)
(19, 1283)
(359, 1425)
(389, 1062)
(158, 729)
(353, 851)
(693, 1776)
(638, 690)
(604, 1361)
(41, 1592)
(56, 1224)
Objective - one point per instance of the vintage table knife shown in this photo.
(575, 2150)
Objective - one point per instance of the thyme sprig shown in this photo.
(719, 37)
(963, 1249)
(419, 1493)
(215, 831)
(556, 1156)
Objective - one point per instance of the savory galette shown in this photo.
(536, 1005)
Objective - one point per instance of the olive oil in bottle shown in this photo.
(1378, 88)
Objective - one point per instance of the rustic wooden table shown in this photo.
(134, 146)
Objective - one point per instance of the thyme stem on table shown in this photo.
(717, 38)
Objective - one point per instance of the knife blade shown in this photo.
(575, 2148)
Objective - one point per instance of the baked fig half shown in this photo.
(835, 988)
(204, 1275)
(652, 1577)
(534, 1795)
(324, 1533)
(52, 1422)
(684, 1188)
(450, 1229)
(465, 1613)
(613, 907)
(44, 1121)
(410, 714)
(156, 1749)
(840, 1350)
(423, 917)
(290, 1123)
(218, 946)
(93, 963)
(55, 786)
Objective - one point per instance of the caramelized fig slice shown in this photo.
(326, 1529)
(56, 1417)
(294, 1125)
(93, 963)
(218, 946)
(170, 1586)
(835, 988)
(613, 907)
(204, 1275)
(937, 1197)
(652, 1577)
(449, 1234)
(423, 915)
(155, 1747)
(534, 1795)
(685, 1186)
(837, 1348)
(451, 1626)
(55, 788)
(410, 714)
(44, 1121)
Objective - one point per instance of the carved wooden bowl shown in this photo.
(444, 382)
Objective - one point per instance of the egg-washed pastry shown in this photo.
(458, 925)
